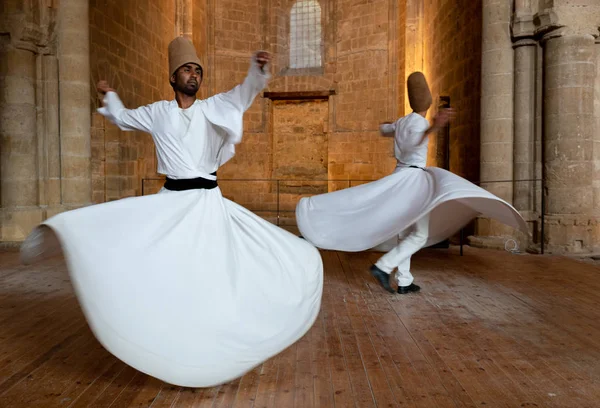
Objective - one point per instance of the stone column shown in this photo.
(18, 158)
(569, 77)
(188, 21)
(184, 22)
(596, 141)
(524, 126)
(497, 84)
(497, 98)
(74, 88)
(48, 104)
(414, 44)
(539, 135)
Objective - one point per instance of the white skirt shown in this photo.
(188, 286)
(365, 216)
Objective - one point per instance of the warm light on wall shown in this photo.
(415, 44)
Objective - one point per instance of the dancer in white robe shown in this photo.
(420, 205)
(186, 285)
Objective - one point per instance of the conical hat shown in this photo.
(419, 95)
(181, 52)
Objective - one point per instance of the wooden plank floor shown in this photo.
(488, 329)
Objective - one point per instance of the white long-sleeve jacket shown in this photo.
(410, 148)
(192, 142)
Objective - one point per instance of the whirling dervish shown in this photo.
(420, 205)
(186, 285)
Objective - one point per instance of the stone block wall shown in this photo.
(362, 62)
(30, 162)
(128, 48)
(200, 36)
(366, 79)
(596, 137)
(369, 47)
(452, 63)
(360, 48)
(236, 30)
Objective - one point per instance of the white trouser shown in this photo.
(411, 240)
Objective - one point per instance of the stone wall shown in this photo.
(452, 63)
(361, 64)
(518, 73)
(545, 53)
(596, 138)
(200, 35)
(43, 53)
(367, 90)
(236, 30)
(570, 93)
(128, 48)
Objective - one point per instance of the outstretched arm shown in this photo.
(387, 128)
(439, 121)
(416, 133)
(125, 119)
(243, 95)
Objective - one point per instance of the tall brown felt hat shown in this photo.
(181, 52)
(419, 95)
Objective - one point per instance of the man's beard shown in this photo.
(190, 88)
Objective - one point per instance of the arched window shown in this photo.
(305, 34)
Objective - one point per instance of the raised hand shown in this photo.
(262, 58)
(443, 117)
(103, 87)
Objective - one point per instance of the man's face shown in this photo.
(187, 79)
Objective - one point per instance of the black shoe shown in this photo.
(408, 289)
(382, 277)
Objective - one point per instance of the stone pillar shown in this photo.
(188, 22)
(524, 126)
(569, 76)
(414, 44)
(184, 22)
(497, 84)
(596, 141)
(497, 98)
(48, 104)
(18, 158)
(18, 127)
(74, 88)
(539, 135)
(200, 22)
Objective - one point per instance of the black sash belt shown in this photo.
(416, 167)
(191, 184)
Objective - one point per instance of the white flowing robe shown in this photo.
(410, 147)
(188, 286)
(368, 215)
